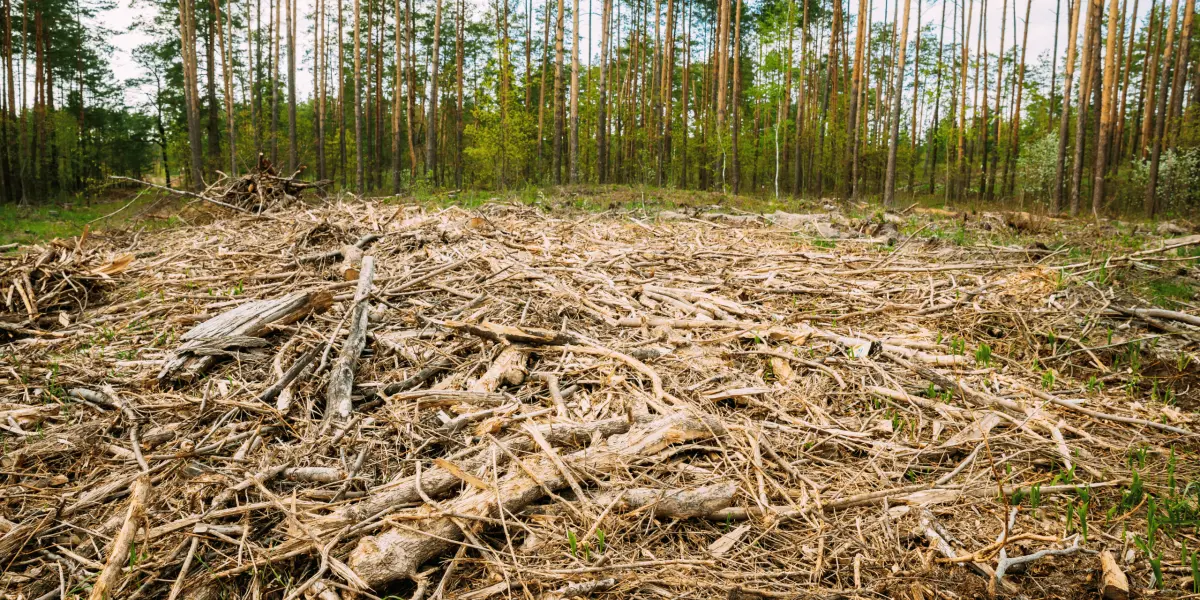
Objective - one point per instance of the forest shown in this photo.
(808, 98)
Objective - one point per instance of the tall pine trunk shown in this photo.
(1160, 122)
(1110, 54)
(889, 189)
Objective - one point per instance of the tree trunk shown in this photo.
(1015, 144)
(737, 92)
(1085, 88)
(722, 56)
(358, 104)
(1181, 69)
(1110, 54)
(1119, 137)
(889, 190)
(559, 117)
(602, 102)
(187, 30)
(432, 93)
(227, 73)
(852, 128)
(396, 95)
(1160, 121)
(458, 112)
(573, 145)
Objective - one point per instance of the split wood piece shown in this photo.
(249, 320)
(118, 556)
(530, 336)
(509, 367)
(679, 503)
(352, 258)
(399, 552)
(341, 376)
(431, 398)
(361, 244)
(1114, 586)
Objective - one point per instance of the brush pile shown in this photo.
(262, 189)
(43, 285)
(365, 401)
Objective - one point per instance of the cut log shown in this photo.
(341, 377)
(399, 552)
(252, 319)
(683, 503)
(1114, 586)
(509, 367)
(119, 555)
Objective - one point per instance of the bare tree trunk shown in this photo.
(341, 99)
(722, 57)
(737, 92)
(912, 158)
(852, 128)
(1085, 88)
(991, 174)
(1160, 122)
(1110, 54)
(801, 100)
(1181, 69)
(573, 144)
(432, 93)
(187, 29)
(889, 190)
(1065, 120)
(668, 71)
(319, 86)
(458, 112)
(358, 104)
(961, 185)
(1015, 135)
(275, 34)
(1119, 137)
(541, 138)
(1150, 81)
(602, 103)
(227, 79)
(396, 91)
(559, 117)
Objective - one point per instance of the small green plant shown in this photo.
(983, 355)
(1094, 384)
(958, 346)
(600, 541)
(1035, 496)
(1048, 380)
(572, 542)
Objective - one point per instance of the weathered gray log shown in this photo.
(231, 328)
(399, 552)
(341, 377)
(682, 503)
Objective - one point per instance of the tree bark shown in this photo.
(573, 144)
(1160, 121)
(1110, 54)
(358, 104)
(432, 93)
(889, 193)
(559, 109)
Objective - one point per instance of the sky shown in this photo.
(1041, 30)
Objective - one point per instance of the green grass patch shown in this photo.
(1168, 293)
(32, 224)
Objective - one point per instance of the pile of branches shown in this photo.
(372, 402)
(42, 286)
(261, 189)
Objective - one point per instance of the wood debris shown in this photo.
(396, 401)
